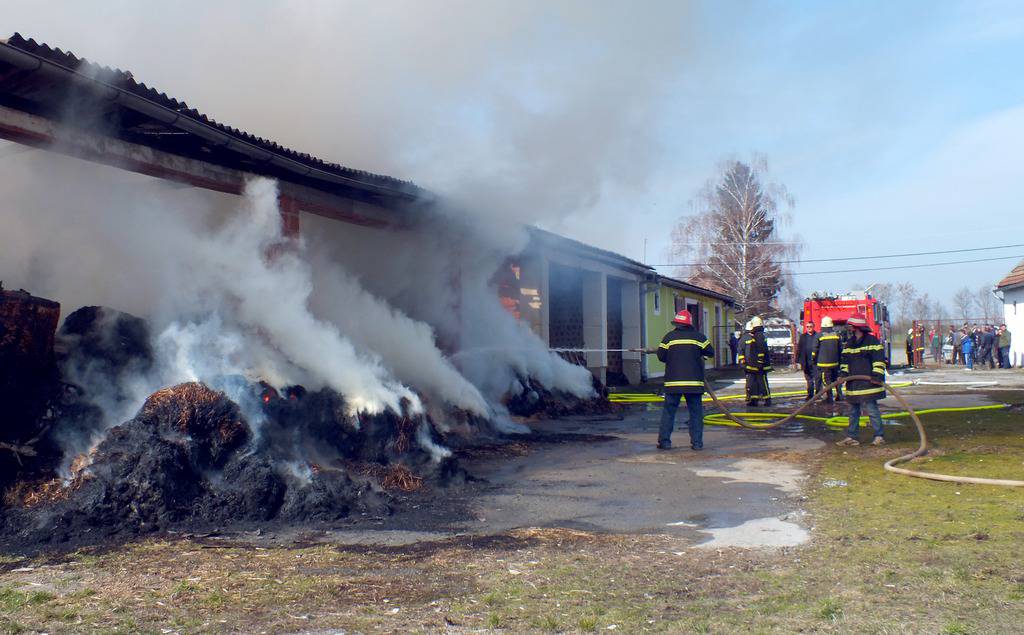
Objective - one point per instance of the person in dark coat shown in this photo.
(863, 355)
(683, 351)
(988, 344)
(805, 356)
(757, 363)
(827, 351)
(734, 343)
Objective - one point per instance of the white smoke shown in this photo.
(439, 272)
(226, 295)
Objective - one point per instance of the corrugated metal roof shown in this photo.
(696, 288)
(1013, 279)
(124, 80)
(551, 238)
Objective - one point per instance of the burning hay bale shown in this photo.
(102, 344)
(212, 422)
(535, 400)
(189, 459)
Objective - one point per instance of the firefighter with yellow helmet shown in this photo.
(826, 356)
(756, 362)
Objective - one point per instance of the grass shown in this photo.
(890, 555)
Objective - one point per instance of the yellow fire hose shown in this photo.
(922, 449)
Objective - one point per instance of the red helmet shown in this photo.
(858, 321)
(684, 318)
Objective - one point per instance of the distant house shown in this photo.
(1011, 288)
(713, 313)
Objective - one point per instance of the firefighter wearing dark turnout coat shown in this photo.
(683, 351)
(757, 363)
(805, 355)
(863, 355)
(827, 350)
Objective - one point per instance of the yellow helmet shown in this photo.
(755, 322)
(826, 322)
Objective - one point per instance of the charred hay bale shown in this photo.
(535, 400)
(104, 345)
(311, 426)
(330, 495)
(138, 482)
(28, 380)
(210, 421)
(249, 488)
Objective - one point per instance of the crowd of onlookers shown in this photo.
(967, 346)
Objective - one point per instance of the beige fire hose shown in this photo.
(890, 465)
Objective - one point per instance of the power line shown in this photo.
(932, 264)
(793, 262)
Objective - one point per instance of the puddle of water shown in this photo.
(760, 533)
(781, 475)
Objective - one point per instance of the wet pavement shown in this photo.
(605, 475)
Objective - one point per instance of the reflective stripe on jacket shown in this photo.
(756, 356)
(866, 357)
(827, 349)
(683, 351)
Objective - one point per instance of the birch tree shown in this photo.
(732, 242)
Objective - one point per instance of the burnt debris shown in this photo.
(230, 453)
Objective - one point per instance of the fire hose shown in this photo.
(891, 465)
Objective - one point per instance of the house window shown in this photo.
(657, 301)
(680, 303)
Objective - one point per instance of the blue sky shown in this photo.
(896, 126)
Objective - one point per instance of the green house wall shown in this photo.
(660, 322)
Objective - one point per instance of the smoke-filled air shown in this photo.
(225, 294)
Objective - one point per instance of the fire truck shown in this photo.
(840, 307)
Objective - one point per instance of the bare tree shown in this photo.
(987, 304)
(921, 308)
(733, 242)
(963, 301)
(884, 291)
(904, 297)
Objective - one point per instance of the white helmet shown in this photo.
(755, 322)
(910, 332)
(826, 322)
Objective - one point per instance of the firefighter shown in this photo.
(683, 351)
(827, 350)
(757, 363)
(910, 348)
(804, 356)
(863, 355)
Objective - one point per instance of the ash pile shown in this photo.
(230, 453)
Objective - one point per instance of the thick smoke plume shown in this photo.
(226, 295)
(521, 111)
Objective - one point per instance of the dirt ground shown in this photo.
(584, 526)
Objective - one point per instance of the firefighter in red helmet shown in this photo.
(863, 355)
(683, 351)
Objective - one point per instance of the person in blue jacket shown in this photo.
(967, 346)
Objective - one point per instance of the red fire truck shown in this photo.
(840, 307)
